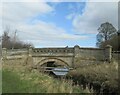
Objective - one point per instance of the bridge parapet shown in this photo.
(52, 51)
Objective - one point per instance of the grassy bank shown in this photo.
(99, 78)
(18, 79)
(0, 81)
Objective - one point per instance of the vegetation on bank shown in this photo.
(93, 78)
(18, 79)
(0, 80)
(99, 78)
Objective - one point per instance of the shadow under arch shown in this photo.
(56, 60)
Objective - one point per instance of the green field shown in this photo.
(18, 79)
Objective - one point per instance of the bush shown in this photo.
(102, 78)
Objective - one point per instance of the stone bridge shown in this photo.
(58, 56)
(68, 56)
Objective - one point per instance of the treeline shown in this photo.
(108, 35)
(12, 42)
(114, 42)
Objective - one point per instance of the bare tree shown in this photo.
(5, 40)
(10, 42)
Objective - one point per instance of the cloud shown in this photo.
(103, 0)
(46, 34)
(76, 9)
(94, 14)
(13, 13)
(45, 31)
(37, 32)
(17, 12)
(60, 0)
(33, 1)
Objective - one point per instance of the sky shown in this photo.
(56, 23)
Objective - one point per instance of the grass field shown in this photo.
(93, 78)
(18, 79)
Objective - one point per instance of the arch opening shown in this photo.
(52, 62)
(49, 64)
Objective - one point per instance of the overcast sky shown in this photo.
(56, 24)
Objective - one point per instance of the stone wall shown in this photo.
(14, 54)
(84, 56)
(116, 55)
(71, 55)
(93, 53)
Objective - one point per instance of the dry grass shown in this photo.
(100, 76)
(39, 81)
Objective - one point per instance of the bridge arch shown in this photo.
(56, 61)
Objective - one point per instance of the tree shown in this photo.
(114, 42)
(5, 40)
(10, 42)
(106, 31)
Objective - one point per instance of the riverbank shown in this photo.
(17, 78)
(99, 78)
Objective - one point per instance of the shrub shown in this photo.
(101, 78)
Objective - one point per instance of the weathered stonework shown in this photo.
(108, 52)
(68, 56)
